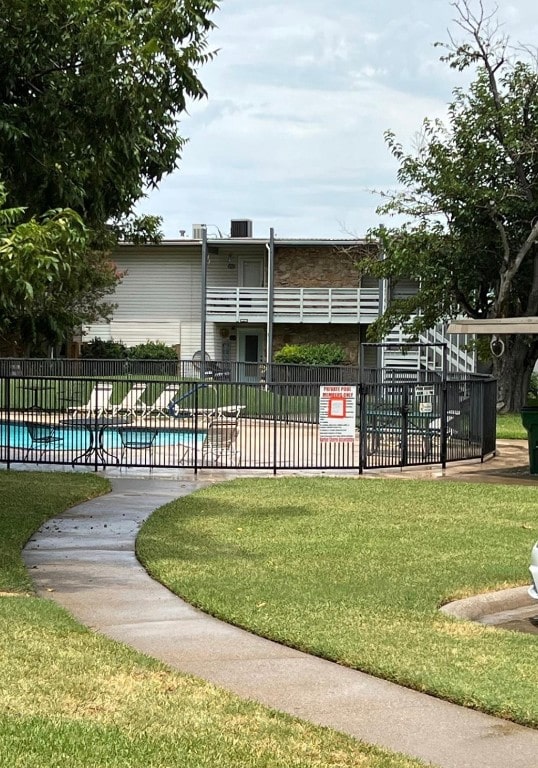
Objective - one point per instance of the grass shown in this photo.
(355, 571)
(27, 501)
(510, 427)
(69, 697)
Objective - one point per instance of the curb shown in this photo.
(477, 607)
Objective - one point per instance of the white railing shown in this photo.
(460, 359)
(294, 305)
(431, 358)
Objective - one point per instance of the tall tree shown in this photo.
(470, 201)
(91, 92)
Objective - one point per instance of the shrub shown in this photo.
(152, 350)
(101, 349)
(311, 354)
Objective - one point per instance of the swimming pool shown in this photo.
(78, 439)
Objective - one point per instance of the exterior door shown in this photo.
(250, 353)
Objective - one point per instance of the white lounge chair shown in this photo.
(131, 403)
(161, 406)
(230, 411)
(98, 403)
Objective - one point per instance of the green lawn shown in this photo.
(355, 570)
(72, 698)
(510, 427)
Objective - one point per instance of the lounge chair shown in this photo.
(161, 406)
(229, 411)
(220, 445)
(98, 403)
(131, 403)
(42, 438)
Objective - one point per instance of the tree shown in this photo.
(470, 202)
(50, 282)
(90, 97)
(91, 92)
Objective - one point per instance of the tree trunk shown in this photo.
(513, 370)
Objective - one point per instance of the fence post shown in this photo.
(7, 400)
(275, 396)
(444, 422)
(196, 430)
(362, 427)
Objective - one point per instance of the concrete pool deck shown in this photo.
(85, 561)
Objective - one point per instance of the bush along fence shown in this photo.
(273, 423)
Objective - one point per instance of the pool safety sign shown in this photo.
(425, 396)
(337, 410)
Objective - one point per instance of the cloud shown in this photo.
(300, 96)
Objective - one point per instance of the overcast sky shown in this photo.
(299, 96)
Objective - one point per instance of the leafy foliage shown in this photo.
(311, 354)
(469, 201)
(90, 98)
(152, 350)
(106, 349)
(103, 349)
(50, 281)
(91, 92)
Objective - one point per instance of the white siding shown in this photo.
(135, 332)
(159, 298)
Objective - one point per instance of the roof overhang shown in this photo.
(226, 242)
(495, 326)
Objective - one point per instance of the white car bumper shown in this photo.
(533, 590)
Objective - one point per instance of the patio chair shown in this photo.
(98, 403)
(131, 403)
(220, 445)
(42, 438)
(162, 404)
(137, 439)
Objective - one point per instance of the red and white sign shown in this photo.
(337, 411)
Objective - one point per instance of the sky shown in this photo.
(291, 134)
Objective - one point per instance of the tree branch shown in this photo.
(508, 274)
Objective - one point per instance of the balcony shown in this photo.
(293, 305)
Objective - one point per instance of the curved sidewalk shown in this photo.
(85, 561)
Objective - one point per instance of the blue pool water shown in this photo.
(74, 439)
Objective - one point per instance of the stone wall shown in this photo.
(311, 267)
(347, 336)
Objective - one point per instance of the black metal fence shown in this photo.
(175, 421)
(236, 372)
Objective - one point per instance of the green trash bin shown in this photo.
(529, 417)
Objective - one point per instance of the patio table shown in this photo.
(96, 428)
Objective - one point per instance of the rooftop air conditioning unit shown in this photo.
(241, 228)
(197, 231)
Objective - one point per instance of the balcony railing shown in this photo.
(293, 305)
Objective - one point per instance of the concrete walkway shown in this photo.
(85, 561)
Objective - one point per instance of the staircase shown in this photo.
(430, 358)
